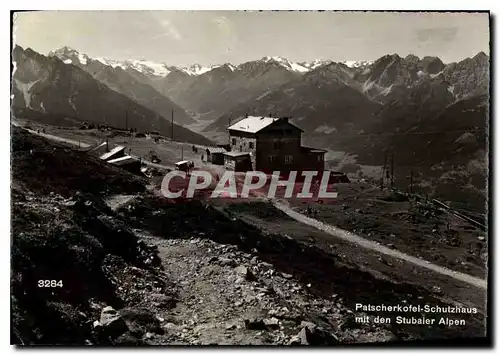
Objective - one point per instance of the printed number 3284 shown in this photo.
(50, 283)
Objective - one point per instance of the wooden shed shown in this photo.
(128, 163)
(238, 161)
(216, 155)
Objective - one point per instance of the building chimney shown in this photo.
(284, 119)
(246, 115)
(270, 114)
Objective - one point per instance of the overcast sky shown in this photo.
(215, 37)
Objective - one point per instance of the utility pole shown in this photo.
(392, 170)
(182, 153)
(172, 124)
(411, 181)
(126, 120)
(383, 171)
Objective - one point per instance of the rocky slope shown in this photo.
(124, 284)
(469, 77)
(391, 75)
(52, 88)
(443, 149)
(137, 269)
(61, 230)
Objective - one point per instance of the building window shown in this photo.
(250, 145)
(233, 141)
(277, 145)
(288, 159)
(272, 158)
(241, 148)
(319, 158)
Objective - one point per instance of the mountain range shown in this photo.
(206, 92)
(325, 97)
(215, 92)
(161, 69)
(336, 98)
(65, 94)
(125, 80)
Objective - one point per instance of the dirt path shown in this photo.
(203, 251)
(57, 138)
(367, 244)
(85, 145)
(215, 297)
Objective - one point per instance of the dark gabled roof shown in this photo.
(126, 159)
(112, 152)
(215, 150)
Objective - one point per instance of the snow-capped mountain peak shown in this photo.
(69, 56)
(296, 67)
(316, 63)
(303, 67)
(111, 62)
(197, 69)
(143, 66)
(155, 69)
(275, 58)
(148, 67)
(357, 63)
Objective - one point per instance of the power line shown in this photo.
(384, 169)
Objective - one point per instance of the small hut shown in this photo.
(116, 152)
(237, 161)
(215, 155)
(128, 163)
